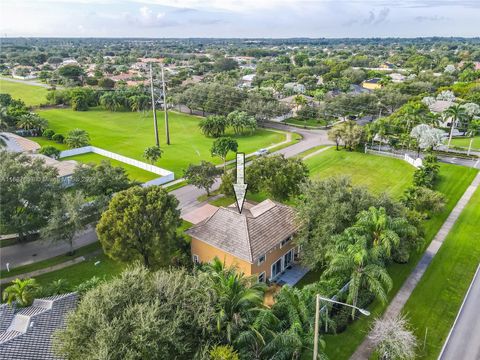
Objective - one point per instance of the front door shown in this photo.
(277, 268)
(288, 258)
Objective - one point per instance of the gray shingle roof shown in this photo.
(250, 234)
(26, 333)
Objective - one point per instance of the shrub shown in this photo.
(50, 151)
(48, 133)
(58, 138)
(85, 286)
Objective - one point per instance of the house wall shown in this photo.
(207, 253)
(371, 86)
(271, 257)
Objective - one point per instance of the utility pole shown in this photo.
(167, 131)
(155, 125)
(317, 321)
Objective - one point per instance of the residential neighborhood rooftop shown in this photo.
(249, 234)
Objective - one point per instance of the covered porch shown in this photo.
(291, 275)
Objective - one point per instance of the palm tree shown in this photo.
(152, 154)
(33, 122)
(21, 292)
(457, 114)
(352, 255)
(414, 115)
(379, 229)
(77, 138)
(473, 130)
(238, 298)
(3, 125)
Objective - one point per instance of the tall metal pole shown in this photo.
(317, 321)
(167, 131)
(155, 125)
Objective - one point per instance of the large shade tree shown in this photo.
(141, 224)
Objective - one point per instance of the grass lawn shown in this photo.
(129, 133)
(437, 298)
(134, 173)
(378, 173)
(30, 94)
(465, 142)
(454, 180)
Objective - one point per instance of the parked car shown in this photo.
(262, 152)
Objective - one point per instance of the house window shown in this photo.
(285, 242)
(261, 260)
(196, 259)
(261, 277)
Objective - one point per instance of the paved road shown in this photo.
(365, 349)
(464, 339)
(27, 82)
(18, 255)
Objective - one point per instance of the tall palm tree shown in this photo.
(379, 229)
(21, 292)
(352, 255)
(238, 298)
(457, 114)
(414, 115)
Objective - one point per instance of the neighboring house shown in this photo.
(257, 241)
(372, 84)
(397, 77)
(247, 80)
(65, 168)
(295, 87)
(439, 106)
(194, 79)
(16, 143)
(357, 89)
(27, 333)
(387, 65)
(69, 62)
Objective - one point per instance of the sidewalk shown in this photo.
(365, 349)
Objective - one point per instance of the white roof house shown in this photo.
(295, 87)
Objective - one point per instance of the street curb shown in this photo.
(458, 314)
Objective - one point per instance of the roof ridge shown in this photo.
(248, 238)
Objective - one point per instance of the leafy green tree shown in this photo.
(139, 102)
(427, 174)
(213, 125)
(202, 176)
(77, 138)
(152, 154)
(50, 151)
(22, 292)
(240, 121)
(279, 177)
(141, 315)
(424, 200)
(68, 217)
(106, 83)
(70, 71)
(335, 134)
(352, 256)
(141, 224)
(225, 64)
(221, 147)
(27, 198)
(327, 208)
(101, 179)
(223, 352)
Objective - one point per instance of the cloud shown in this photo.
(431, 18)
(371, 19)
(382, 16)
(147, 18)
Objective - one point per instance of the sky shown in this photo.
(239, 18)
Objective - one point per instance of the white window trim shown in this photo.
(264, 259)
(281, 267)
(264, 277)
(196, 259)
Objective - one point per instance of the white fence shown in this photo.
(165, 175)
(415, 162)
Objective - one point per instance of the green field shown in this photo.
(307, 122)
(438, 296)
(378, 173)
(454, 180)
(129, 133)
(134, 173)
(30, 94)
(465, 142)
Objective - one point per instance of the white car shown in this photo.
(262, 152)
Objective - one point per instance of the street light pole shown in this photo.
(317, 319)
(165, 107)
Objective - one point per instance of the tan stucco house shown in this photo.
(257, 241)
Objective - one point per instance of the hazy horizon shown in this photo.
(279, 19)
